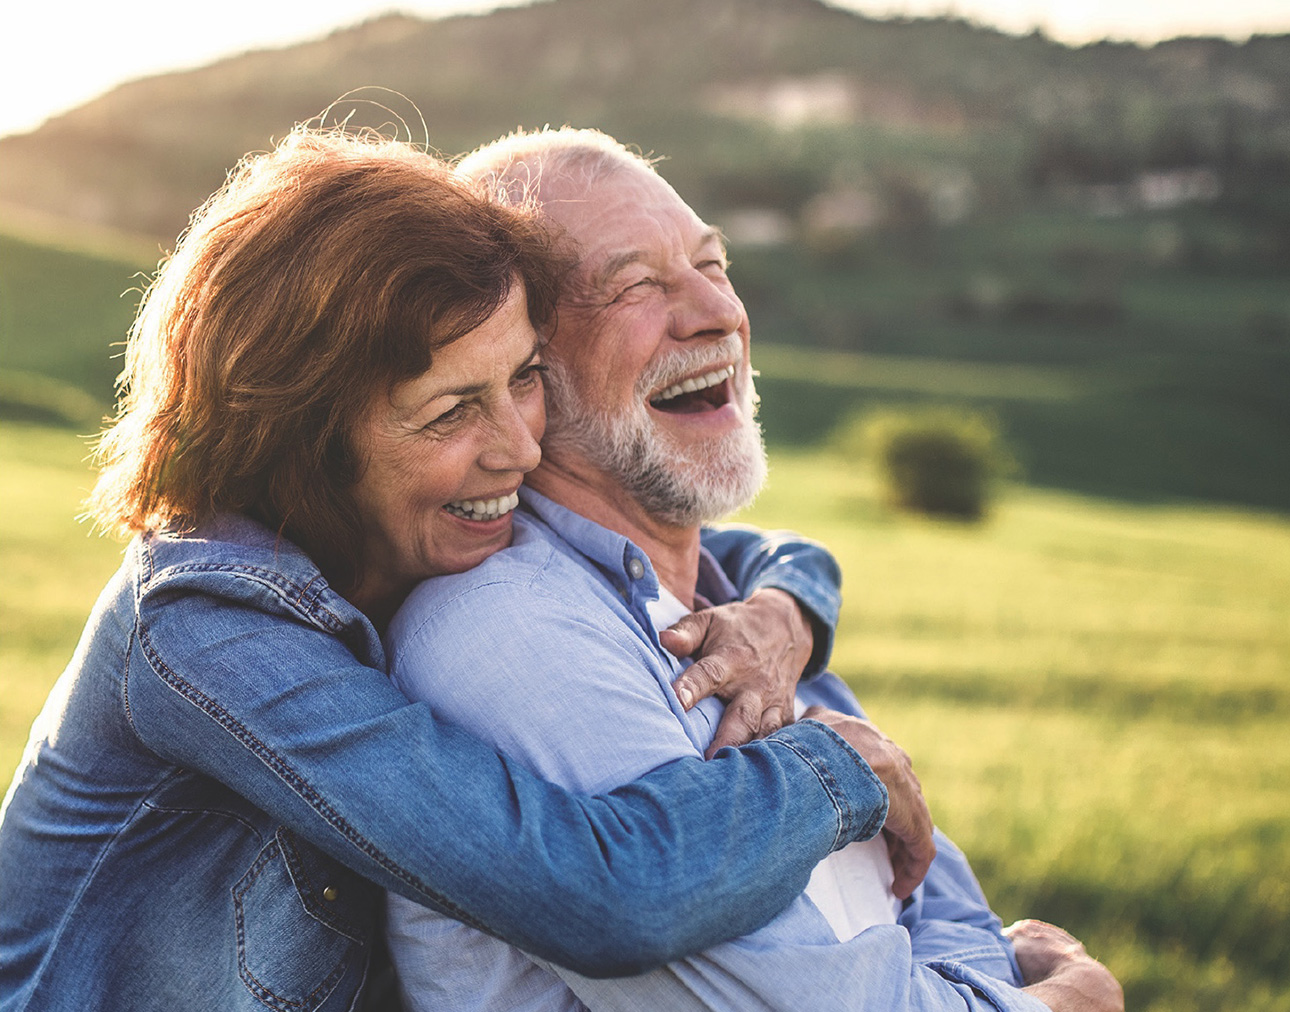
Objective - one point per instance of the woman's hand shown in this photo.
(749, 654)
(1060, 973)
(908, 828)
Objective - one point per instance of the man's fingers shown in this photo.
(772, 719)
(910, 861)
(739, 724)
(909, 823)
(687, 635)
(700, 680)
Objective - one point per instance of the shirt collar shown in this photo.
(626, 564)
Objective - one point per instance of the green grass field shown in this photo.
(1095, 695)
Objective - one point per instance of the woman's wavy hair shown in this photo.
(321, 274)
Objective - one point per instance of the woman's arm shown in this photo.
(694, 853)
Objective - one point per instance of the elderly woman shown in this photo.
(333, 391)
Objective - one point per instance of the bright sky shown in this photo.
(61, 53)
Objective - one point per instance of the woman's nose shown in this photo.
(514, 446)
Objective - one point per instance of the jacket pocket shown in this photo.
(304, 922)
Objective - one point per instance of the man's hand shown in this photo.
(749, 654)
(1060, 973)
(908, 828)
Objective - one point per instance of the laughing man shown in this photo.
(556, 653)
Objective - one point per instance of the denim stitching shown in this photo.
(290, 777)
(842, 805)
(262, 992)
(290, 590)
(331, 917)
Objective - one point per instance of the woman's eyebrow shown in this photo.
(469, 389)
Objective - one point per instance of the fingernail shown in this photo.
(687, 700)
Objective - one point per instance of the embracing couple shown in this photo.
(370, 637)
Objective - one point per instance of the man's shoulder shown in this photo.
(538, 569)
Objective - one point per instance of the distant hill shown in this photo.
(914, 200)
(756, 101)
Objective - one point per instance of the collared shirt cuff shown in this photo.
(1003, 997)
(859, 797)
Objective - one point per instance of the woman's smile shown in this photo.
(446, 452)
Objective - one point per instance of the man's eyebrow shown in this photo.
(601, 278)
(713, 232)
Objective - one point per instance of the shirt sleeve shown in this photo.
(587, 704)
(948, 917)
(283, 713)
(753, 559)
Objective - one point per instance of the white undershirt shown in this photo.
(852, 886)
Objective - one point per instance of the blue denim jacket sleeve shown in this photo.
(753, 559)
(232, 676)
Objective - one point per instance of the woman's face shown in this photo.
(445, 453)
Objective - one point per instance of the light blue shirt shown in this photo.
(547, 651)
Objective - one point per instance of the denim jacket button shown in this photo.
(330, 893)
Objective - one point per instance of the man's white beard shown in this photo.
(682, 486)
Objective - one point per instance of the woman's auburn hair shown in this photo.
(322, 274)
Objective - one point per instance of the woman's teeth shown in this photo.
(483, 509)
(689, 386)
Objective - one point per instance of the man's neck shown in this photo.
(577, 486)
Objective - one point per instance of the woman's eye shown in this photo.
(448, 418)
(530, 375)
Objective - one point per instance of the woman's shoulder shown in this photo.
(227, 542)
(234, 557)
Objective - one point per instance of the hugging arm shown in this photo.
(756, 560)
(506, 674)
(284, 714)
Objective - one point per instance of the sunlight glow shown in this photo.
(62, 53)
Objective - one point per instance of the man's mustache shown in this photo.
(676, 365)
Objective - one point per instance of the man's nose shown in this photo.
(704, 308)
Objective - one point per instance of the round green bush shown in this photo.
(939, 461)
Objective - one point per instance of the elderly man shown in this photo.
(558, 651)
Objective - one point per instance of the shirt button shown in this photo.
(330, 893)
(636, 568)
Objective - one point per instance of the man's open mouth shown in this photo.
(699, 393)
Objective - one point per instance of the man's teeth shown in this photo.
(688, 386)
(483, 509)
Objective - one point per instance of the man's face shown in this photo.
(650, 377)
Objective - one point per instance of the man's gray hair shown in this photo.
(520, 166)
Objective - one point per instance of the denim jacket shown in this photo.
(224, 776)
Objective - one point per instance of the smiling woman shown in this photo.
(331, 392)
(446, 452)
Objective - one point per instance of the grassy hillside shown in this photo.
(1183, 397)
(1095, 695)
(64, 314)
